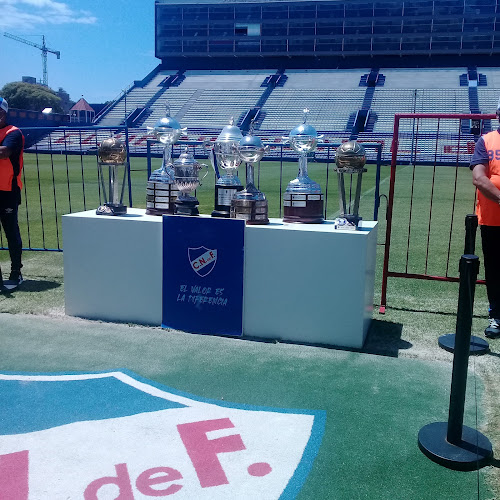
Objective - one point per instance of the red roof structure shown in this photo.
(82, 105)
(82, 111)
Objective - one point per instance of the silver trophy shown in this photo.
(161, 193)
(350, 159)
(186, 170)
(112, 155)
(250, 203)
(226, 158)
(303, 199)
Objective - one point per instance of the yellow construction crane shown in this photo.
(43, 48)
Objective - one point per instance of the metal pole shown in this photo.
(470, 234)
(469, 268)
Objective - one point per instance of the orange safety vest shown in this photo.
(488, 211)
(7, 181)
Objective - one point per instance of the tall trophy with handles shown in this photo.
(225, 160)
(250, 204)
(303, 199)
(161, 191)
(186, 170)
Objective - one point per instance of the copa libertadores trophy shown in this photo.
(112, 156)
(186, 170)
(225, 156)
(161, 192)
(303, 199)
(250, 204)
(350, 159)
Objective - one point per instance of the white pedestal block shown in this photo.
(113, 266)
(303, 283)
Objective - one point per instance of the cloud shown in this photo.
(34, 13)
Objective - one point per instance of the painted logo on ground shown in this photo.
(104, 436)
(202, 260)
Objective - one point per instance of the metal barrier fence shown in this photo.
(60, 176)
(427, 206)
(58, 179)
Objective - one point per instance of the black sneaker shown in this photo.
(493, 330)
(15, 279)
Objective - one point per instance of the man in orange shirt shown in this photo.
(11, 164)
(485, 165)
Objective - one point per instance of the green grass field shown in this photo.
(429, 208)
(60, 184)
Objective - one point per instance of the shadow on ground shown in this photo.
(384, 339)
(34, 286)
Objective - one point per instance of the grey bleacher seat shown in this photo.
(225, 79)
(488, 97)
(493, 77)
(387, 102)
(425, 78)
(324, 79)
(214, 107)
(329, 109)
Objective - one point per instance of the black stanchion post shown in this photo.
(469, 268)
(447, 341)
(470, 234)
(452, 444)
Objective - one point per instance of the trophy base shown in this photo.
(223, 196)
(254, 212)
(160, 211)
(185, 207)
(221, 213)
(111, 209)
(304, 211)
(160, 198)
(347, 223)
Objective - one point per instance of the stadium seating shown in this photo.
(204, 101)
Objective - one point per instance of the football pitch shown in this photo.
(59, 184)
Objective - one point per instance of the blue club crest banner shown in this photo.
(203, 274)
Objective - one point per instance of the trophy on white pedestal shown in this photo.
(161, 192)
(250, 204)
(225, 156)
(350, 159)
(112, 156)
(186, 170)
(303, 199)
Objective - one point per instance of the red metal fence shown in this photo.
(426, 209)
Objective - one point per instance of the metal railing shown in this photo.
(60, 176)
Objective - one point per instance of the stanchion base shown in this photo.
(473, 452)
(477, 344)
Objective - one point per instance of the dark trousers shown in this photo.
(490, 238)
(9, 204)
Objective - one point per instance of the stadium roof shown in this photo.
(225, 2)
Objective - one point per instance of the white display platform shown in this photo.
(306, 283)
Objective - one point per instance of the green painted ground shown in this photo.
(375, 404)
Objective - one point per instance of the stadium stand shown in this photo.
(422, 78)
(329, 108)
(324, 79)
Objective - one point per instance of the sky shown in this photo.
(105, 44)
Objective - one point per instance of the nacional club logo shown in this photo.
(202, 260)
(104, 436)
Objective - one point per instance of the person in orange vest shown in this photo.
(11, 165)
(485, 165)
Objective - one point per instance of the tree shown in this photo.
(31, 96)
